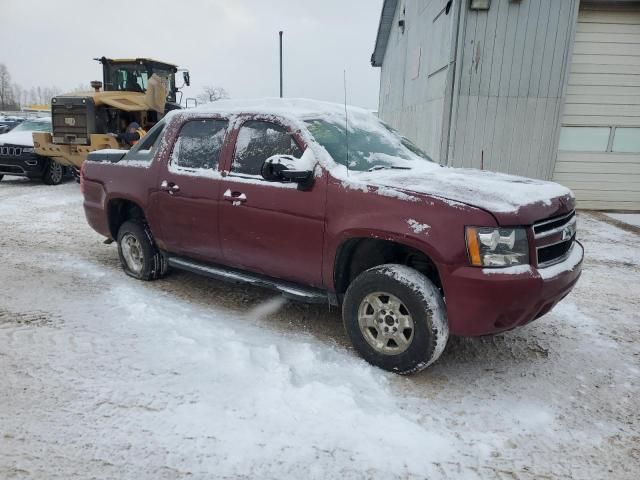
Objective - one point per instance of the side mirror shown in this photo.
(186, 78)
(287, 168)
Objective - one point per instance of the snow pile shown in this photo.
(263, 397)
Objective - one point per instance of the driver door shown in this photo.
(267, 227)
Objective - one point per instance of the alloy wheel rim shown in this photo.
(132, 253)
(56, 172)
(386, 323)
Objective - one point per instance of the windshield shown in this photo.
(372, 144)
(34, 126)
(134, 77)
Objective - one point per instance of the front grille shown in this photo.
(554, 238)
(543, 228)
(10, 151)
(547, 255)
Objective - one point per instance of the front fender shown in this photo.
(431, 225)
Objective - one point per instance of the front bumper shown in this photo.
(25, 165)
(485, 301)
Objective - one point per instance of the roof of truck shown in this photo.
(300, 108)
(145, 59)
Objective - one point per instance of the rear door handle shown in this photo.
(169, 187)
(234, 196)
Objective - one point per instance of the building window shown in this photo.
(626, 140)
(584, 139)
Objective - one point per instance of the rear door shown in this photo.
(185, 204)
(269, 227)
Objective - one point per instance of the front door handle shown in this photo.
(169, 187)
(234, 196)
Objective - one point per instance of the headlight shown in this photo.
(497, 247)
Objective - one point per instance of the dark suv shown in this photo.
(340, 209)
(18, 158)
(9, 123)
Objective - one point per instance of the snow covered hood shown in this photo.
(495, 192)
(22, 138)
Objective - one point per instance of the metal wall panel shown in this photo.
(414, 73)
(512, 76)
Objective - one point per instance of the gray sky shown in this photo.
(230, 43)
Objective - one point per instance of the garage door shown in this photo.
(599, 150)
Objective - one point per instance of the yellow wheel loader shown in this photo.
(137, 90)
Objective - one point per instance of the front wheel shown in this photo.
(139, 256)
(396, 318)
(53, 173)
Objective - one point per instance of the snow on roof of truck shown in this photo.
(300, 108)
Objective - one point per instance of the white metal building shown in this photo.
(542, 88)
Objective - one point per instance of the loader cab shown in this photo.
(132, 75)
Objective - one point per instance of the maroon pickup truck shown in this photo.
(331, 205)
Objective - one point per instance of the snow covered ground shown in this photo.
(628, 218)
(107, 377)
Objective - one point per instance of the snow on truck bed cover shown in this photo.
(492, 191)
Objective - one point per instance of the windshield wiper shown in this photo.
(387, 167)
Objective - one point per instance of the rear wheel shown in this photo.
(396, 318)
(53, 173)
(139, 256)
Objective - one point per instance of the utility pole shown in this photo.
(280, 63)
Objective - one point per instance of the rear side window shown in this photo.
(144, 150)
(199, 144)
(259, 140)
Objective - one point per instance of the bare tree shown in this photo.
(7, 101)
(211, 94)
(18, 95)
(81, 88)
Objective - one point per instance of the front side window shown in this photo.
(259, 140)
(199, 144)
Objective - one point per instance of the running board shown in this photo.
(288, 289)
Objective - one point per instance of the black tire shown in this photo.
(1, 177)
(152, 264)
(53, 173)
(420, 302)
